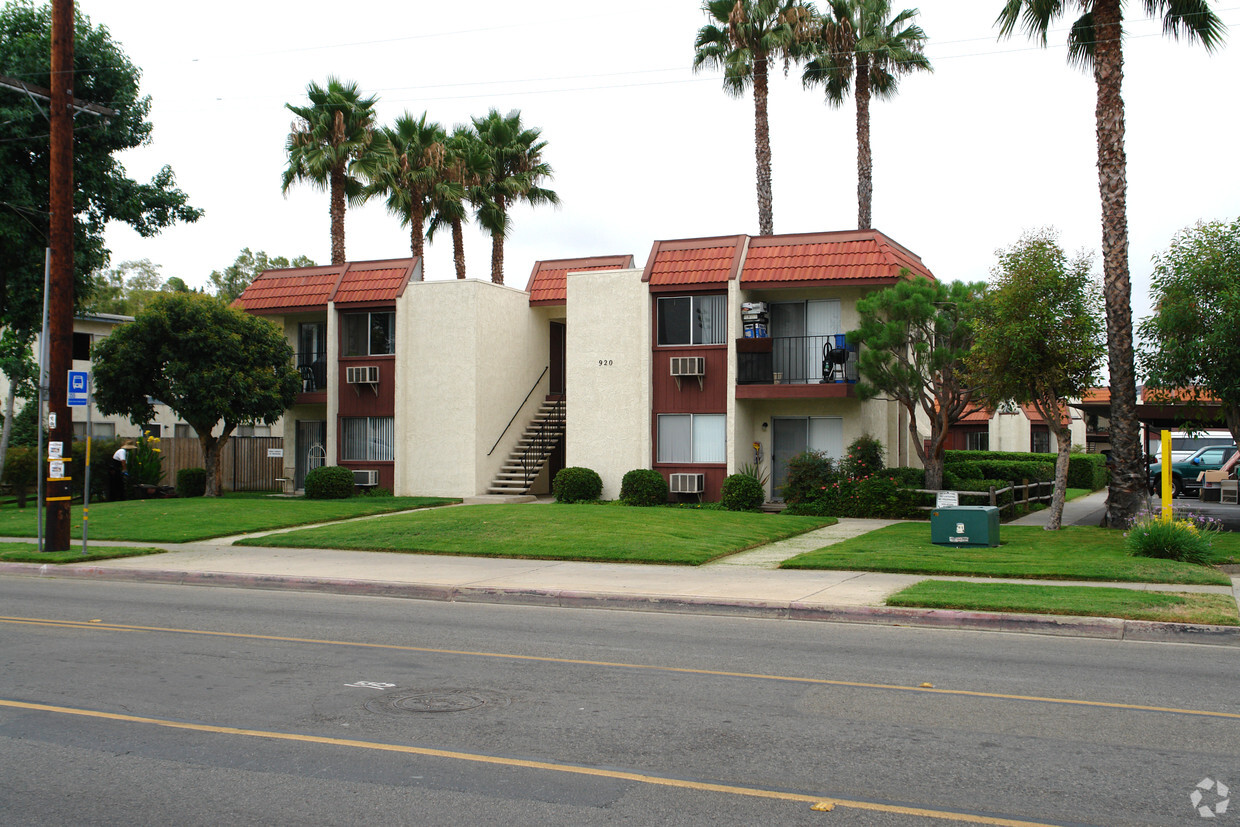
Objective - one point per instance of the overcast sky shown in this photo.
(999, 139)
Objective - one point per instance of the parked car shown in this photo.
(1184, 474)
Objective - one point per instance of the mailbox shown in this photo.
(965, 525)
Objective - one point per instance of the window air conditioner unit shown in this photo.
(687, 483)
(688, 366)
(365, 477)
(364, 375)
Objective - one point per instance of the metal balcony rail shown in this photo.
(313, 368)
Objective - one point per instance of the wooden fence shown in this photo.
(244, 465)
(1022, 494)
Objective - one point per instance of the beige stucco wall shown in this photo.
(608, 374)
(468, 352)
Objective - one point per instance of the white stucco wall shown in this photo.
(608, 374)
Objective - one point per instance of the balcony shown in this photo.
(795, 367)
(312, 366)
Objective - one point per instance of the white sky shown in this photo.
(998, 140)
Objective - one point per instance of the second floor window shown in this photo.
(370, 334)
(693, 320)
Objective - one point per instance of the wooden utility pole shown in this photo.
(60, 304)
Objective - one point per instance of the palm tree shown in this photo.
(465, 166)
(858, 46)
(514, 173)
(329, 145)
(410, 173)
(1096, 41)
(744, 38)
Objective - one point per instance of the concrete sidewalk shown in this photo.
(746, 584)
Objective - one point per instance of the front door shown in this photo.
(796, 434)
(559, 343)
(311, 449)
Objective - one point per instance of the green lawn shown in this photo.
(1072, 553)
(29, 553)
(601, 533)
(200, 518)
(1085, 601)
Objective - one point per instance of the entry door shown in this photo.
(795, 434)
(311, 449)
(559, 344)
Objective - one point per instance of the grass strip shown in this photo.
(200, 518)
(1082, 601)
(1072, 553)
(29, 553)
(600, 533)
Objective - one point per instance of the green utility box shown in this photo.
(965, 525)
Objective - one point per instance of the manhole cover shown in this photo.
(436, 700)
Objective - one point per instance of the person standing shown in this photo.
(120, 471)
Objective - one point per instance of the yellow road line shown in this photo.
(641, 778)
(657, 668)
(69, 624)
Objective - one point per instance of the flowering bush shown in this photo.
(1188, 538)
(880, 496)
(146, 461)
(808, 472)
(865, 458)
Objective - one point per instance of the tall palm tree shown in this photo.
(859, 47)
(329, 145)
(1096, 42)
(410, 172)
(743, 39)
(514, 173)
(465, 167)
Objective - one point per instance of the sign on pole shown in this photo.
(79, 388)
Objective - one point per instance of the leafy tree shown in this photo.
(125, 289)
(103, 192)
(1096, 42)
(515, 171)
(16, 347)
(231, 282)
(1039, 352)
(861, 48)
(1193, 339)
(744, 37)
(331, 146)
(913, 337)
(410, 173)
(212, 364)
(465, 167)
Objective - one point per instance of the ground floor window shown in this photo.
(368, 438)
(1040, 440)
(692, 438)
(978, 441)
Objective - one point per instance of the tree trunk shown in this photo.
(337, 213)
(865, 164)
(458, 248)
(1063, 442)
(497, 245)
(212, 449)
(417, 221)
(7, 428)
(931, 461)
(1128, 488)
(762, 145)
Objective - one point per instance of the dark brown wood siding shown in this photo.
(362, 400)
(690, 397)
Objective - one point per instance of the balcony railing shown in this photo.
(795, 360)
(313, 369)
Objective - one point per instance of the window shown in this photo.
(692, 438)
(99, 430)
(252, 430)
(81, 347)
(693, 320)
(182, 430)
(1040, 440)
(978, 441)
(367, 438)
(370, 334)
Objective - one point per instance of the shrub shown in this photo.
(1015, 471)
(1189, 539)
(876, 496)
(865, 458)
(808, 473)
(329, 482)
(146, 461)
(577, 485)
(907, 477)
(966, 470)
(741, 492)
(377, 491)
(191, 482)
(20, 466)
(1003, 499)
(643, 487)
(1084, 470)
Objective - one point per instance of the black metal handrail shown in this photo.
(543, 441)
(808, 359)
(519, 407)
(313, 368)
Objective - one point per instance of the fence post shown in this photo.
(993, 499)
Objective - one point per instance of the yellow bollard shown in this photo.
(1166, 476)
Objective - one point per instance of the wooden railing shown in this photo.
(1022, 494)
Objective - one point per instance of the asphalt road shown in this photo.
(148, 704)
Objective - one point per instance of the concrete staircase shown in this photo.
(544, 432)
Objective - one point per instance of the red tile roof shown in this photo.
(548, 282)
(695, 262)
(845, 257)
(311, 288)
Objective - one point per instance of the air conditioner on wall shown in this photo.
(688, 366)
(365, 477)
(363, 375)
(687, 483)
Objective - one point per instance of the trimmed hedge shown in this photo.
(577, 485)
(1084, 470)
(881, 497)
(329, 482)
(643, 487)
(1016, 470)
(191, 482)
(741, 492)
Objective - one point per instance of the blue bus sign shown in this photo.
(79, 387)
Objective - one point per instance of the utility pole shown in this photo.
(60, 308)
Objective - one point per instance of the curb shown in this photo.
(1105, 628)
